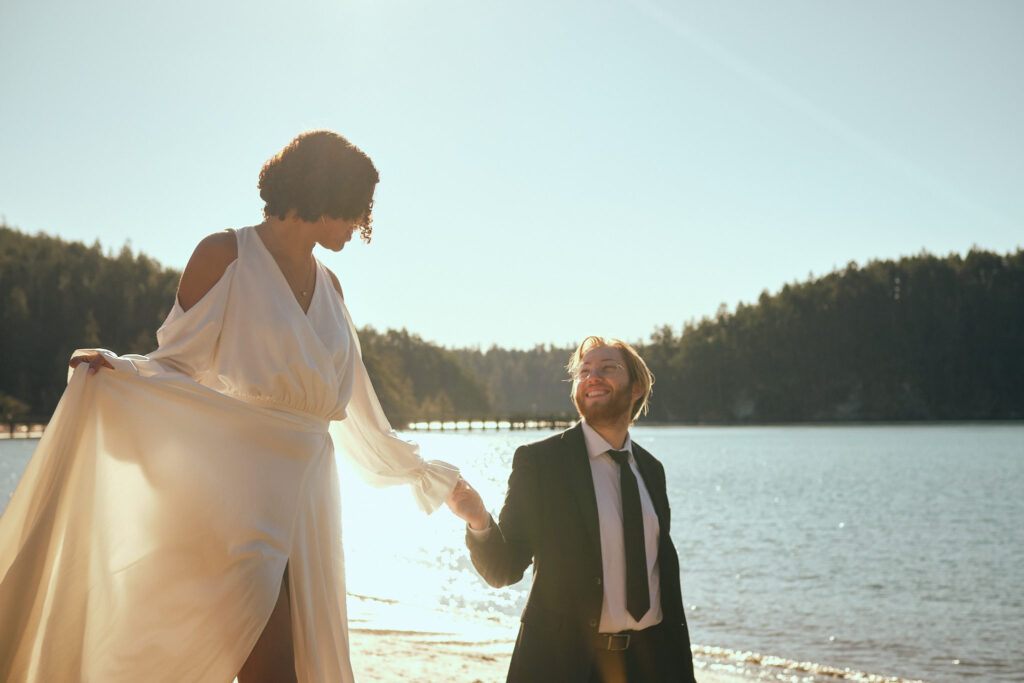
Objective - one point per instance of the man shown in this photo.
(589, 508)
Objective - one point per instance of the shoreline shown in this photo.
(393, 656)
(391, 642)
(388, 656)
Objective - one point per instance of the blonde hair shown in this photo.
(635, 365)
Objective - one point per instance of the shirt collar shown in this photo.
(596, 445)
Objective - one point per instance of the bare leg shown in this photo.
(272, 660)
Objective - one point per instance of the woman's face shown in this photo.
(335, 233)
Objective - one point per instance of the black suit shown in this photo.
(550, 517)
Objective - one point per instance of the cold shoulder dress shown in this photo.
(147, 538)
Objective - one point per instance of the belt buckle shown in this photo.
(617, 642)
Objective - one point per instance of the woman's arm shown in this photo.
(210, 259)
(380, 456)
(205, 268)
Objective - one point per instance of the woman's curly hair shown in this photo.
(320, 173)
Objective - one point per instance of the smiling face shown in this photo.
(602, 390)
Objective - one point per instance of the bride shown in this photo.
(180, 518)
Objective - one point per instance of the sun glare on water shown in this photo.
(397, 556)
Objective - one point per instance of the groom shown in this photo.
(588, 507)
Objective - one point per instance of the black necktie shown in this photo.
(638, 595)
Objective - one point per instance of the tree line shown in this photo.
(57, 296)
(918, 338)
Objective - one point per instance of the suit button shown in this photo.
(593, 623)
(597, 580)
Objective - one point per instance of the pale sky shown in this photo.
(550, 169)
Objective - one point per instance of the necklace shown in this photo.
(308, 279)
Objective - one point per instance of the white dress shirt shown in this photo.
(608, 491)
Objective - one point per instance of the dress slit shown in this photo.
(272, 659)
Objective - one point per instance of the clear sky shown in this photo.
(550, 168)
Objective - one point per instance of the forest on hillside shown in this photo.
(918, 338)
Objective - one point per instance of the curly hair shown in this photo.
(317, 174)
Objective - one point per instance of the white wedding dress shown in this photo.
(147, 538)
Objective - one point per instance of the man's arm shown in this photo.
(503, 552)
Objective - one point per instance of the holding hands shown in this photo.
(466, 503)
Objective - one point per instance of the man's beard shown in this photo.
(620, 404)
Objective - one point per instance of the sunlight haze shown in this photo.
(548, 170)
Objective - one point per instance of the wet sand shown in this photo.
(385, 656)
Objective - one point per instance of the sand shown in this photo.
(410, 657)
(385, 656)
(400, 643)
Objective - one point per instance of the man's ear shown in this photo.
(637, 390)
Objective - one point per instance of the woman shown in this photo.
(180, 519)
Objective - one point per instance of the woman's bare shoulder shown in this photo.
(211, 258)
(221, 245)
(335, 282)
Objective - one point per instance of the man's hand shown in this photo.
(467, 504)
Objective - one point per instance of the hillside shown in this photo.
(918, 338)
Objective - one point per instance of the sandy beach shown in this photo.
(383, 656)
(393, 643)
(401, 643)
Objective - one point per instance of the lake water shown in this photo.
(805, 551)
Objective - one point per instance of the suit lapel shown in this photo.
(645, 463)
(581, 481)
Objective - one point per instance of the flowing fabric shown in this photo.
(147, 538)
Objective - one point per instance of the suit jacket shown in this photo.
(550, 518)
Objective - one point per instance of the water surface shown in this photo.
(895, 550)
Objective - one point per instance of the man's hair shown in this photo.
(635, 365)
(320, 174)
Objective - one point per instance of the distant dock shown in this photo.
(22, 430)
(33, 429)
(512, 423)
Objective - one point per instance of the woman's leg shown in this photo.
(272, 660)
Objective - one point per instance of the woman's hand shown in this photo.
(95, 360)
(467, 504)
